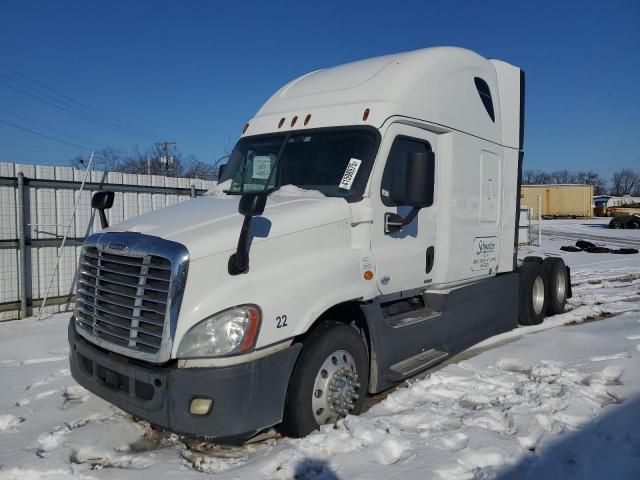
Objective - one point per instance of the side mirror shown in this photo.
(101, 201)
(221, 170)
(415, 188)
(251, 205)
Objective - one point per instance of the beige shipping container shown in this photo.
(559, 200)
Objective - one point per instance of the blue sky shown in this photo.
(195, 71)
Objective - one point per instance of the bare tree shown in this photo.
(197, 169)
(625, 182)
(150, 161)
(561, 176)
(590, 177)
(107, 159)
(535, 177)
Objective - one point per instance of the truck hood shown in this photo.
(211, 224)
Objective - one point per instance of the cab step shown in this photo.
(418, 362)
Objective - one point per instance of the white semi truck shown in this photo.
(365, 230)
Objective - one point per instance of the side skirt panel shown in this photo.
(467, 316)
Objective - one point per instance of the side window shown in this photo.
(394, 168)
(485, 96)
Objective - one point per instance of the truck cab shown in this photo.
(364, 229)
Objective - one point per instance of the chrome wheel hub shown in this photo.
(335, 388)
(561, 286)
(538, 295)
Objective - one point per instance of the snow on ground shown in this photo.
(560, 400)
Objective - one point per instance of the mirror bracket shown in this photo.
(104, 223)
(394, 222)
(251, 205)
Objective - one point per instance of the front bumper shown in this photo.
(247, 397)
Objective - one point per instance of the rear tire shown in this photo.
(532, 259)
(556, 282)
(615, 223)
(331, 352)
(533, 298)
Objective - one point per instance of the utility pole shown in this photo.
(163, 149)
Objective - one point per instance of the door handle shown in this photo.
(430, 259)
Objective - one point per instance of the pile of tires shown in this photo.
(583, 246)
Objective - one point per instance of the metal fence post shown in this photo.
(539, 220)
(193, 191)
(22, 235)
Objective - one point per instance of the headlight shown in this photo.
(226, 333)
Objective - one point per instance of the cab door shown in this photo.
(404, 259)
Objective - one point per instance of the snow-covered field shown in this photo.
(559, 400)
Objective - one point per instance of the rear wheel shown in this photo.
(633, 224)
(533, 298)
(556, 281)
(329, 381)
(615, 223)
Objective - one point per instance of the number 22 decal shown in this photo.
(281, 321)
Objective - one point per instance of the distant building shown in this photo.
(601, 200)
(559, 200)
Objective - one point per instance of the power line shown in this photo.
(55, 139)
(67, 107)
(64, 108)
(84, 105)
(45, 135)
(47, 148)
(42, 125)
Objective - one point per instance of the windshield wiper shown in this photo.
(275, 164)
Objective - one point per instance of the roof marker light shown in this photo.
(307, 118)
(294, 120)
(365, 115)
(245, 128)
(281, 122)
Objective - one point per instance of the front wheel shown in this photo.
(329, 381)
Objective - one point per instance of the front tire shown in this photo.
(533, 299)
(330, 379)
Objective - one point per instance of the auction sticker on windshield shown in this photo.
(350, 173)
(261, 167)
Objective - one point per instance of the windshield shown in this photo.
(335, 162)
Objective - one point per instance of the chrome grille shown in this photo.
(123, 299)
(129, 291)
